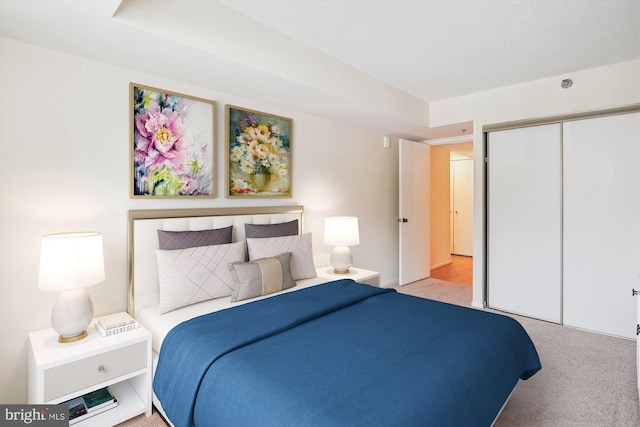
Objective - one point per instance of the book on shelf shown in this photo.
(115, 324)
(90, 404)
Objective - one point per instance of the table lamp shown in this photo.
(341, 232)
(70, 262)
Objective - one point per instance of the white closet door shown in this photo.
(462, 209)
(601, 223)
(524, 221)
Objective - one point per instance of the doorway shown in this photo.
(451, 211)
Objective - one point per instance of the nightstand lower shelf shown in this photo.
(129, 406)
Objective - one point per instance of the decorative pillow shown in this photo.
(261, 277)
(188, 276)
(170, 240)
(261, 231)
(302, 266)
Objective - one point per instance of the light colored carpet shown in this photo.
(587, 379)
(155, 420)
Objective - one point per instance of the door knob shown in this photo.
(403, 220)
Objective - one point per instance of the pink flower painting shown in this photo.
(172, 144)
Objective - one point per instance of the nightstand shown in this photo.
(360, 275)
(61, 371)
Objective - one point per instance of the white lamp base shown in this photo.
(71, 314)
(341, 259)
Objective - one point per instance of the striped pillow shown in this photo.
(261, 277)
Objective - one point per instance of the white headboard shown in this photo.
(143, 239)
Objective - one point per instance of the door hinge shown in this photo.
(486, 160)
(638, 329)
(634, 293)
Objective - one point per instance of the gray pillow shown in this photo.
(261, 277)
(300, 246)
(172, 240)
(259, 231)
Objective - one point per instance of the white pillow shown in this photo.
(191, 275)
(302, 266)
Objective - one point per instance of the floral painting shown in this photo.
(258, 154)
(172, 144)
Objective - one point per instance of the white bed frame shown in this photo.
(142, 267)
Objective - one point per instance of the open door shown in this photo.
(414, 211)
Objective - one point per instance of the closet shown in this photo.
(461, 206)
(563, 222)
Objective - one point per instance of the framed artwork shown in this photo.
(172, 144)
(258, 154)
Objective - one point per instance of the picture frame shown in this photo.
(258, 154)
(172, 144)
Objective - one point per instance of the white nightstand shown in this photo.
(360, 275)
(61, 371)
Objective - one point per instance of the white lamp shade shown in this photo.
(71, 261)
(341, 231)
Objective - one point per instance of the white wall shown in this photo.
(64, 166)
(598, 88)
(440, 206)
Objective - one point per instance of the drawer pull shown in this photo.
(101, 368)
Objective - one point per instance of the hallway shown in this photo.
(459, 271)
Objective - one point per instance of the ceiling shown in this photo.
(371, 63)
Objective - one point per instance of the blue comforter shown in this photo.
(342, 354)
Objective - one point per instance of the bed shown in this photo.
(316, 353)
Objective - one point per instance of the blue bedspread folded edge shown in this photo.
(186, 354)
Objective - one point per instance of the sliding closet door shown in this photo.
(602, 223)
(524, 221)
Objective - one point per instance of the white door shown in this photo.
(524, 259)
(601, 244)
(462, 207)
(414, 211)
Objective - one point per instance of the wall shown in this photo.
(440, 206)
(64, 166)
(594, 89)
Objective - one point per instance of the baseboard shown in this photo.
(390, 283)
(442, 264)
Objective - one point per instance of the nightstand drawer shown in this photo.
(65, 379)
